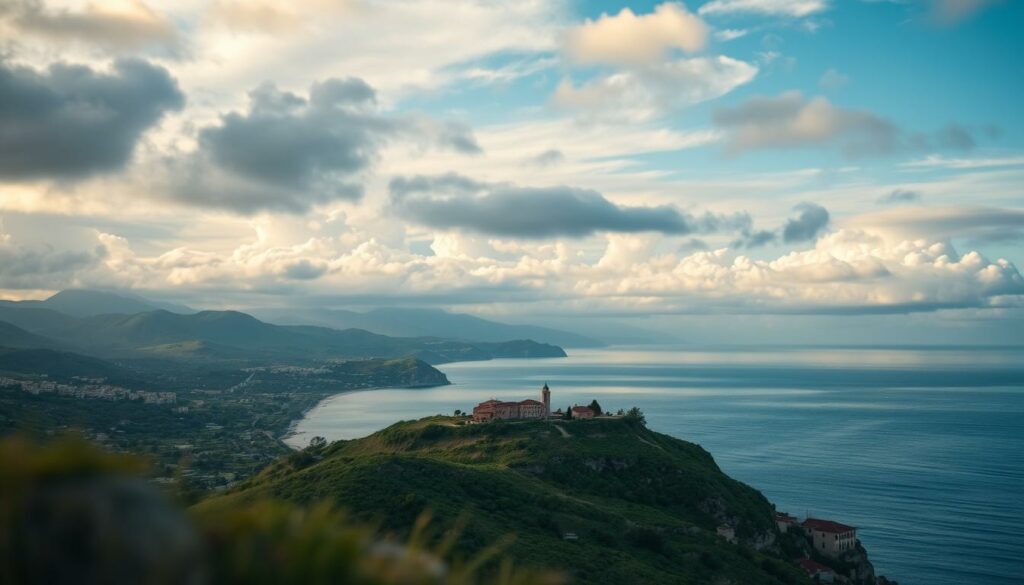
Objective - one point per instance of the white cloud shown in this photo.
(651, 91)
(938, 161)
(629, 39)
(730, 34)
(850, 270)
(794, 8)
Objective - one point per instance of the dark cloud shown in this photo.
(456, 202)
(289, 152)
(755, 239)
(71, 121)
(791, 120)
(120, 31)
(899, 196)
(304, 270)
(459, 138)
(547, 158)
(693, 245)
(285, 140)
(806, 226)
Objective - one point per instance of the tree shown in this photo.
(621, 412)
(568, 413)
(458, 412)
(637, 415)
(317, 443)
(595, 407)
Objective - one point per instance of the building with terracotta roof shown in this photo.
(580, 412)
(817, 571)
(830, 538)
(526, 409)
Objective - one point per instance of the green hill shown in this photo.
(16, 337)
(606, 501)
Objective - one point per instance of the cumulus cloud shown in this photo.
(791, 120)
(120, 27)
(456, 202)
(792, 8)
(23, 267)
(647, 92)
(898, 196)
(846, 271)
(631, 39)
(648, 78)
(71, 121)
(290, 152)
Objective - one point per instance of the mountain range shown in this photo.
(231, 335)
(394, 322)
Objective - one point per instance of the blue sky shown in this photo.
(676, 164)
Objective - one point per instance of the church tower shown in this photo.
(545, 397)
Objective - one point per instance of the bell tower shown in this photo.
(545, 397)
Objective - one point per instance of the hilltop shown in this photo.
(606, 501)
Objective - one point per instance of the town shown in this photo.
(92, 388)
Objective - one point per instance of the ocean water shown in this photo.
(921, 449)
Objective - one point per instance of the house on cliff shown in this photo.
(830, 538)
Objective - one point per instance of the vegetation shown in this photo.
(72, 514)
(643, 507)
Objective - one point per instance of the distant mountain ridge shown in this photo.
(231, 335)
(88, 303)
(404, 322)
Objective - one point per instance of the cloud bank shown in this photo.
(71, 121)
(456, 202)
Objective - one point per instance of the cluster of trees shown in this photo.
(633, 413)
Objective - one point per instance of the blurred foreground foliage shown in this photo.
(70, 513)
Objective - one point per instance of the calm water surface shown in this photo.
(922, 449)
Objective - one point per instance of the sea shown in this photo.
(921, 448)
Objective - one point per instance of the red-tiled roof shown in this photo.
(827, 526)
(532, 401)
(582, 409)
(813, 567)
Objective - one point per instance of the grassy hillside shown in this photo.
(643, 506)
(14, 336)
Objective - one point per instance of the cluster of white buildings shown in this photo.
(94, 390)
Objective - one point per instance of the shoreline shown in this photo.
(292, 426)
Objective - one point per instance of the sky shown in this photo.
(821, 171)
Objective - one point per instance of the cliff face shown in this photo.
(606, 501)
